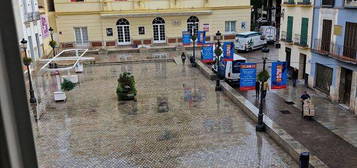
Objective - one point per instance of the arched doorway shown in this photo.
(192, 21)
(159, 30)
(123, 31)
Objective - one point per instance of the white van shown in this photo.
(231, 68)
(248, 41)
(269, 33)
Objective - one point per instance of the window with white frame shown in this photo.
(81, 34)
(230, 26)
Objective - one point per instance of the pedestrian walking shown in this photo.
(183, 57)
(295, 76)
(257, 89)
(305, 96)
(265, 89)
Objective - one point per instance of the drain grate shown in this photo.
(285, 111)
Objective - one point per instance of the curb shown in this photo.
(279, 135)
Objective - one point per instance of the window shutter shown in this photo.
(304, 31)
(290, 29)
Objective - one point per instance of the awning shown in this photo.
(159, 13)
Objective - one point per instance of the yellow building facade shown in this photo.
(98, 23)
(295, 35)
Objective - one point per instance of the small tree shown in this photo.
(27, 61)
(263, 76)
(126, 87)
(67, 85)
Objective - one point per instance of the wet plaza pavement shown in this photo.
(202, 128)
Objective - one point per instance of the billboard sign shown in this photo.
(228, 51)
(279, 75)
(248, 76)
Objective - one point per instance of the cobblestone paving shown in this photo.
(201, 129)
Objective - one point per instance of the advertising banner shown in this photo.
(248, 76)
(186, 38)
(228, 51)
(207, 54)
(201, 37)
(279, 75)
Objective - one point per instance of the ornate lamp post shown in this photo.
(218, 53)
(52, 43)
(260, 126)
(27, 62)
(193, 37)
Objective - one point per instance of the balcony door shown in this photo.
(159, 30)
(123, 31)
(326, 35)
(350, 44)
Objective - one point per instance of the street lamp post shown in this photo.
(32, 95)
(193, 37)
(260, 126)
(53, 47)
(218, 53)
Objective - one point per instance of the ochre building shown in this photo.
(99, 23)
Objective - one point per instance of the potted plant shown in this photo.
(263, 76)
(126, 87)
(27, 61)
(53, 43)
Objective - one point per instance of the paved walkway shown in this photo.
(202, 128)
(327, 146)
(330, 115)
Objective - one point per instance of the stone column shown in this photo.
(335, 87)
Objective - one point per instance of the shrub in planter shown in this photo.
(67, 85)
(53, 43)
(263, 76)
(27, 61)
(126, 87)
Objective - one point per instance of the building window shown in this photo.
(81, 35)
(159, 30)
(351, 3)
(350, 43)
(123, 31)
(192, 21)
(328, 3)
(230, 26)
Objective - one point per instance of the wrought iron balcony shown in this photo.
(32, 16)
(298, 40)
(35, 16)
(350, 3)
(303, 2)
(283, 36)
(339, 52)
(289, 2)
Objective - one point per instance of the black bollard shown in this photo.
(304, 159)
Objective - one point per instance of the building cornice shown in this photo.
(151, 11)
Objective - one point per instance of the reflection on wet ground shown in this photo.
(199, 128)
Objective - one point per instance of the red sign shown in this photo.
(206, 27)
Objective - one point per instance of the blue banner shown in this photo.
(201, 39)
(279, 75)
(248, 76)
(186, 38)
(207, 54)
(228, 51)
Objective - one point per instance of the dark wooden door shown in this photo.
(326, 35)
(323, 78)
(350, 44)
(345, 86)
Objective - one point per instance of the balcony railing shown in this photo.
(33, 16)
(303, 2)
(299, 41)
(283, 36)
(351, 3)
(339, 52)
(289, 2)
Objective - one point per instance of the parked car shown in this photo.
(269, 33)
(249, 41)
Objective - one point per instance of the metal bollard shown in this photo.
(304, 159)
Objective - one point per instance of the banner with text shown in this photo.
(201, 37)
(186, 38)
(279, 75)
(207, 55)
(248, 76)
(228, 51)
